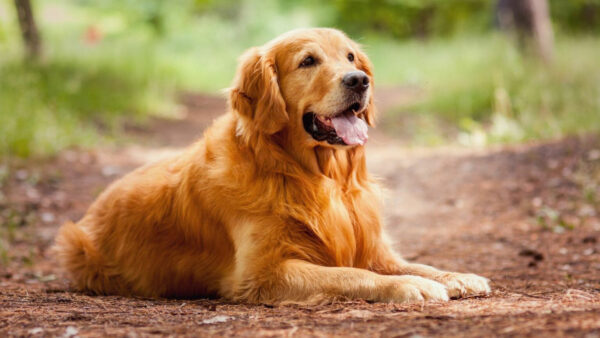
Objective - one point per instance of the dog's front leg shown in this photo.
(297, 281)
(458, 284)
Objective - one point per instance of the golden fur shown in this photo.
(257, 210)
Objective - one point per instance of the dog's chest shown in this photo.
(350, 228)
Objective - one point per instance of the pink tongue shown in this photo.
(351, 129)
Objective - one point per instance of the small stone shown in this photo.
(32, 193)
(47, 217)
(593, 155)
(47, 278)
(35, 331)
(21, 174)
(586, 211)
(216, 319)
(589, 251)
(110, 170)
(71, 331)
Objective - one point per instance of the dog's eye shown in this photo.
(309, 61)
(350, 57)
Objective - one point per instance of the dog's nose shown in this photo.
(358, 81)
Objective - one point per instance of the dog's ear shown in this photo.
(363, 63)
(255, 93)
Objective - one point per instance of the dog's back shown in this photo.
(136, 238)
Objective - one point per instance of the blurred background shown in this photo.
(472, 72)
(487, 145)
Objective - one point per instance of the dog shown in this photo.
(273, 205)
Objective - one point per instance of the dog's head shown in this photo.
(316, 84)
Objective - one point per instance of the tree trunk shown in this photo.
(542, 28)
(530, 19)
(29, 30)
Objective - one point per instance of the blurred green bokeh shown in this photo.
(109, 61)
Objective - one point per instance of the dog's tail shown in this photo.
(77, 254)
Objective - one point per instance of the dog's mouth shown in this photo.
(343, 128)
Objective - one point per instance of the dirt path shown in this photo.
(527, 217)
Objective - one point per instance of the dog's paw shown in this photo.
(464, 284)
(411, 289)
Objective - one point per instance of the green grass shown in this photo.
(62, 102)
(491, 92)
(80, 93)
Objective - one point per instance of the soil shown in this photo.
(526, 216)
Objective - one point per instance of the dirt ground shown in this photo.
(525, 216)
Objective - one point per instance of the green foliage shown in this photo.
(409, 18)
(83, 89)
(576, 15)
(435, 18)
(76, 93)
(493, 93)
(50, 106)
(152, 14)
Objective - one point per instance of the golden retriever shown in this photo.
(273, 205)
